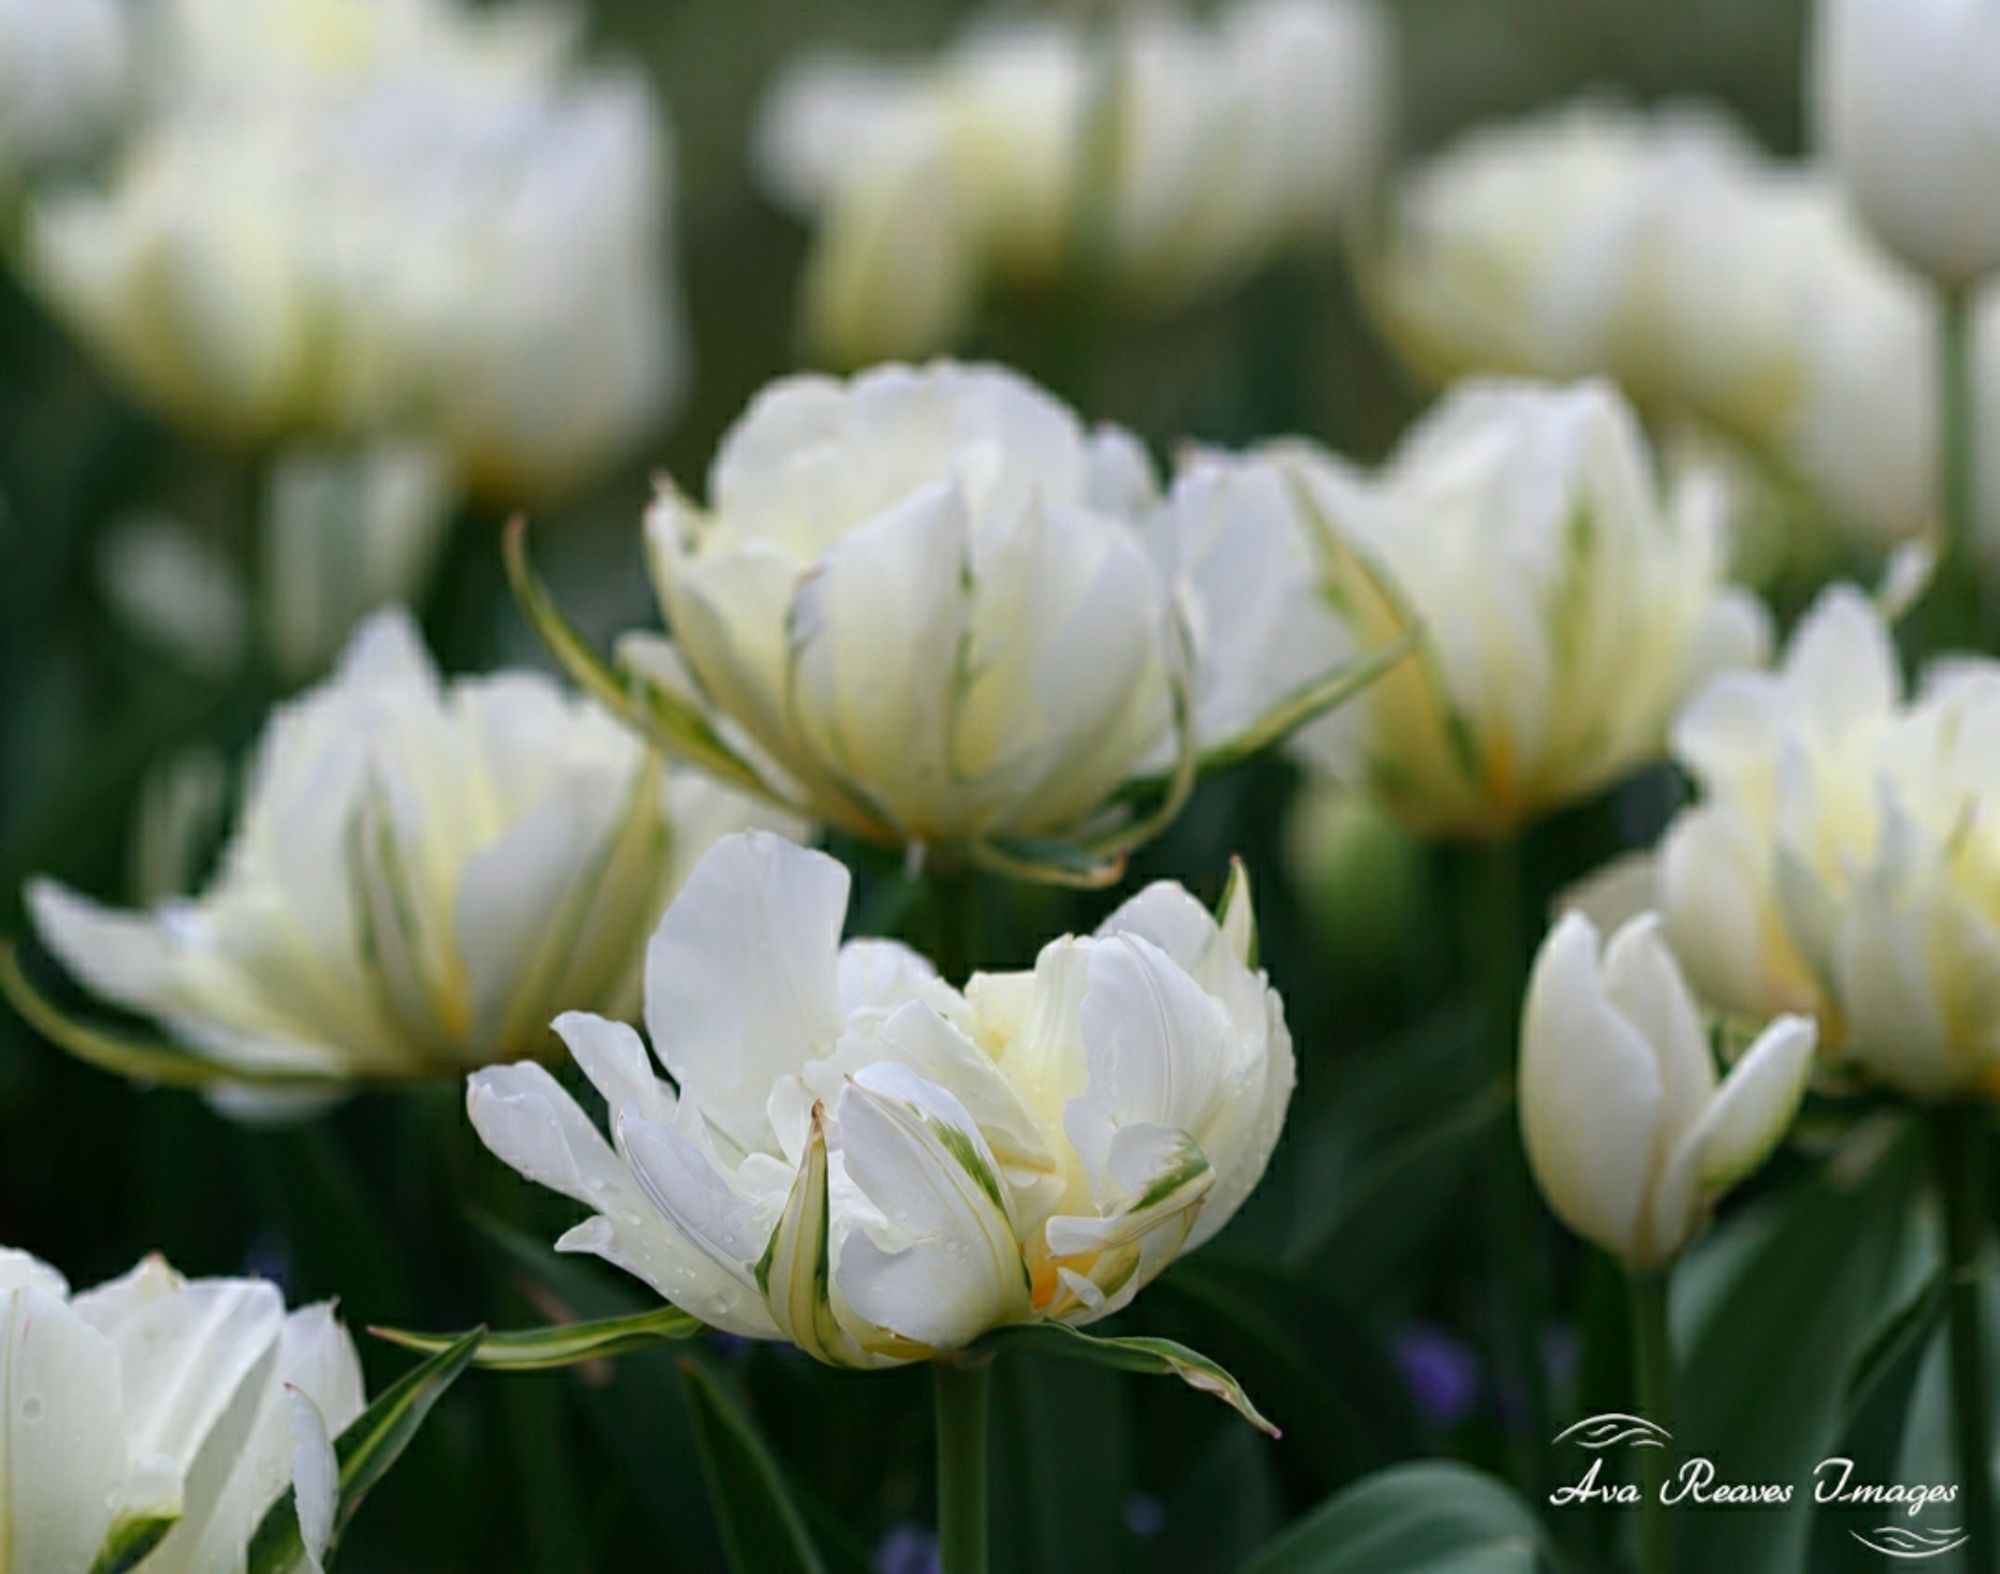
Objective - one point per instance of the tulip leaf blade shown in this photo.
(149, 1060)
(365, 1451)
(1132, 1353)
(560, 1344)
(667, 719)
(763, 1529)
(1411, 1519)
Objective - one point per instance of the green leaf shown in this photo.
(667, 719)
(147, 1060)
(131, 1541)
(365, 1451)
(1156, 1357)
(563, 1344)
(1799, 1287)
(1430, 1518)
(761, 1525)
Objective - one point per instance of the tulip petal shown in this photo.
(724, 1232)
(62, 1449)
(741, 978)
(950, 1265)
(315, 1478)
(1590, 1094)
(1644, 985)
(1754, 1106)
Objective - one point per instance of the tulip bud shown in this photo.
(879, 1167)
(1629, 1135)
(158, 1418)
(1907, 99)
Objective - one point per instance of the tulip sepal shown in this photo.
(573, 1344)
(362, 1455)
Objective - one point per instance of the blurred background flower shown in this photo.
(1143, 159)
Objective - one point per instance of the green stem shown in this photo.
(951, 902)
(1491, 913)
(1959, 1134)
(1961, 616)
(961, 1464)
(1653, 1356)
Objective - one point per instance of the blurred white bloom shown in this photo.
(64, 68)
(1566, 605)
(160, 1407)
(174, 590)
(1629, 1135)
(949, 614)
(930, 181)
(879, 1168)
(1667, 253)
(421, 875)
(379, 216)
(1907, 99)
(345, 533)
(1844, 857)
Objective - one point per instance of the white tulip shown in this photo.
(1843, 858)
(948, 614)
(164, 1413)
(1907, 100)
(421, 875)
(63, 73)
(1664, 251)
(930, 182)
(1629, 1134)
(859, 1158)
(1566, 606)
(346, 219)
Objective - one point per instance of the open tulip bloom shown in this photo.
(1841, 859)
(861, 1159)
(928, 607)
(422, 874)
(1561, 601)
(177, 1426)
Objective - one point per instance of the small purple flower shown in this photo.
(1145, 1515)
(908, 1549)
(1441, 1372)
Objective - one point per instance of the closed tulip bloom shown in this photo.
(346, 218)
(878, 1166)
(1663, 250)
(1907, 99)
(947, 614)
(422, 874)
(1841, 859)
(1629, 1133)
(931, 182)
(1566, 603)
(150, 1423)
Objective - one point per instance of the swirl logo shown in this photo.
(1909, 1543)
(1614, 1429)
